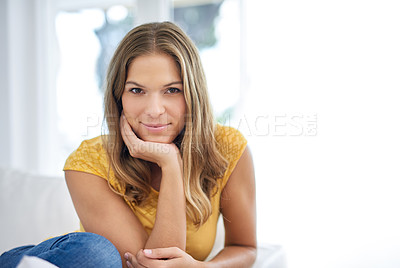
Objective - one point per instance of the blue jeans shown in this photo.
(71, 250)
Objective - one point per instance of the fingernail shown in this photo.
(128, 264)
(126, 256)
(147, 251)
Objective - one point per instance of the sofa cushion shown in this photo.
(33, 208)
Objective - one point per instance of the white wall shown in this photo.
(20, 84)
(331, 199)
(28, 95)
(4, 84)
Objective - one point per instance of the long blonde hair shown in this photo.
(203, 164)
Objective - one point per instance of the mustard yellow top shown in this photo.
(91, 157)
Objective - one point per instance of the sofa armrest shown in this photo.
(268, 256)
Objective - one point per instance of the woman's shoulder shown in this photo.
(231, 144)
(89, 157)
(96, 142)
(229, 140)
(92, 148)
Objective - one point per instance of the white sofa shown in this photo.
(34, 207)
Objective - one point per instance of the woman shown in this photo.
(155, 185)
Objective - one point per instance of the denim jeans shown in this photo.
(70, 250)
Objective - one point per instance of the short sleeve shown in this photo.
(90, 157)
(231, 144)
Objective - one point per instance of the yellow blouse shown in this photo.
(91, 157)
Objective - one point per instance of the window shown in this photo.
(215, 28)
(87, 39)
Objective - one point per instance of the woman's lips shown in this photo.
(155, 127)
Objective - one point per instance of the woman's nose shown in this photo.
(155, 106)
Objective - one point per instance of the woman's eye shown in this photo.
(136, 90)
(173, 90)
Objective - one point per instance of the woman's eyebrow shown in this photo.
(166, 85)
(173, 83)
(134, 83)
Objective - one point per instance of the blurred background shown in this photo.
(313, 85)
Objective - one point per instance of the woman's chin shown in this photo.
(160, 139)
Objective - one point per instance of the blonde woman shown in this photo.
(155, 185)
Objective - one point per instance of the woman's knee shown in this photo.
(96, 248)
(100, 249)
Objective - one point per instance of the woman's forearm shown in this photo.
(170, 224)
(233, 257)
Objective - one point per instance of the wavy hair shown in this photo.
(203, 164)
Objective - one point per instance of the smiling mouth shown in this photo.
(155, 127)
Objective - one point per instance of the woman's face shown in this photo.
(153, 100)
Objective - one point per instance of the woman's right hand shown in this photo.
(160, 153)
(131, 261)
